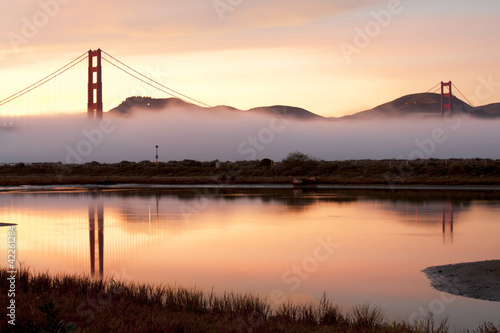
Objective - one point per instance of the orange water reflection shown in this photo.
(259, 242)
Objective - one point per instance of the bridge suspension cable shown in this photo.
(151, 82)
(45, 79)
(454, 86)
(435, 88)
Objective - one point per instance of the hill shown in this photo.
(422, 105)
(133, 104)
(492, 110)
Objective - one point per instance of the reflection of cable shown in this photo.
(171, 93)
(44, 80)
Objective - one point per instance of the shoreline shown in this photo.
(278, 181)
(145, 186)
(478, 280)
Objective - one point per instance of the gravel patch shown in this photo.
(479, 280)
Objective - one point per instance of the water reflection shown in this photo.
(245, 239)
(445, 218)
(445, 222)
(93, 206)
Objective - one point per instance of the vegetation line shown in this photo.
(295, 165)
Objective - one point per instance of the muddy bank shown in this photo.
(479, 280)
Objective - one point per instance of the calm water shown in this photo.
(357, 246)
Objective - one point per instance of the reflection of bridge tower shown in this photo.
(100, 235)
(451, 223)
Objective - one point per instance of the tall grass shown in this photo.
(428, 324)
(366, 316)
(63, 303)
(324, 314)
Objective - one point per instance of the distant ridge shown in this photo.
(422, 105)
(163, 104)
(493, 110)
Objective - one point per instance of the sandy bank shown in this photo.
(480, 280)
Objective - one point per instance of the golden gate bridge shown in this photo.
(84, 85)
(96, 78)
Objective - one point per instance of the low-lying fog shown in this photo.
(206, 136)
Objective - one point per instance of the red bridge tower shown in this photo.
(445, 98)
(95, 85)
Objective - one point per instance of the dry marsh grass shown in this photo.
(64, 303)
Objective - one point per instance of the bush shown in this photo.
(297, 158)
(266, 162)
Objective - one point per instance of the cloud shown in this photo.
(178, 24)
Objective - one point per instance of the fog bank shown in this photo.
(229, 136)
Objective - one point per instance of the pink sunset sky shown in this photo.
(330, 57)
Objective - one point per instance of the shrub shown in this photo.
(266, 162)
(297, 158)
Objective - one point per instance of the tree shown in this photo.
(298, 158)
